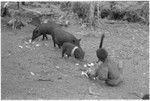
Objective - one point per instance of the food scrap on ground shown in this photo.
(20, 46)
(32, 73)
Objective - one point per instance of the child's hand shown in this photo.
(91, 74)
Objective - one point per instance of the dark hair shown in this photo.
(102, 54)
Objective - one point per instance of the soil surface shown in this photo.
(37, 70)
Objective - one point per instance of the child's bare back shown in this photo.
(110, 72)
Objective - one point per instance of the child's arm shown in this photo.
(102, 73)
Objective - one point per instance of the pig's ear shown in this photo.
(37, 30)
(79, 40)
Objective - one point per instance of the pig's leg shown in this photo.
(53, 38)
(63, 52)
(46, 37)
(43, 37)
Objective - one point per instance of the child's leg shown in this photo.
(114, 82)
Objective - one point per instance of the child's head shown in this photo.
(102, 54)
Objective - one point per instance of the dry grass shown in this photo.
(117, 10)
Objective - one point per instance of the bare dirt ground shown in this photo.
(31, 71)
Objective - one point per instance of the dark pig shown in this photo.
(43, 29)
(60, 36)
(72, 50)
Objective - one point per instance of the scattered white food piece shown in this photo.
(88, 64)
(37, 45)
(67, 22)
(84, 73)
(27, 47)
(92, 64)
(46, 44)
(26, 42)
(85, 65)
(30, 41)
(33, 42)
(32, 73)
(57, 66)
(77, 64)
(21, 46)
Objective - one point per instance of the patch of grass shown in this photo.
(117, 10)
(82, 9)
(65, 6)
(135, 12)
